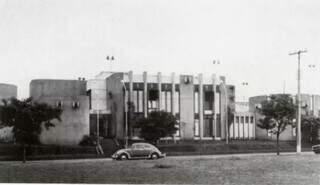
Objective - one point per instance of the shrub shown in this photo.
(88, 141)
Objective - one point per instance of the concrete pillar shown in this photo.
(223, 108)
(130, 97)
(173, 90)
(249, 127)
(159, 91)
(200, 103)
(145, 94)
(243, 129)
(234, 127)
(214, 120)
(130, 86)
(239, 130)
(186, 107)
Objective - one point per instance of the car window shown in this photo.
(147, 146)
(137, 146)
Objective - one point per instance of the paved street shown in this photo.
(287, 168)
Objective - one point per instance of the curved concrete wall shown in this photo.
(74, 121)
(59, 88)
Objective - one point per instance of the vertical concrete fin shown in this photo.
(200, 97)
(214, 120)
(130, 86)
(145, 94)
(173, 90)
(159, 91)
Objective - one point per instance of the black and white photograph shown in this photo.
(160, 92)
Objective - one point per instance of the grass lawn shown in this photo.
(261, 169)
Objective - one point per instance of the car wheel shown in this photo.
(154, 156)
(123, 157)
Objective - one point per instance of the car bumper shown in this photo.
(114, 156)
(162, 155)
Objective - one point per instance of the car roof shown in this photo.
(145, 144)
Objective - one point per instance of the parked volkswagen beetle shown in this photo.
(138, 151)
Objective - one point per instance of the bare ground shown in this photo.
(251, 169)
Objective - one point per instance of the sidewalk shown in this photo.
(170, 157)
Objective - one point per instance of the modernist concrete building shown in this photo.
(311, 104)
(7, 91)
(199, 103)
(71, 96)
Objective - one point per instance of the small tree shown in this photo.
(26, 117)
(278, 112)
(157, 125)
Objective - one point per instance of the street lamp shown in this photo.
(110, 59)
(126, 114)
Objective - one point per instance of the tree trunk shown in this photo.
(23, 153)
(278, 148)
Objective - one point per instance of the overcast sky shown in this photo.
(70, 39)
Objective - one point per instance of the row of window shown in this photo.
(153, 101)
(244, 119)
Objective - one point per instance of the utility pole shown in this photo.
(299, 102)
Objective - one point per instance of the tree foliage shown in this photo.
(278, 112)
(26, 118)
(310, 126)
(157, 125)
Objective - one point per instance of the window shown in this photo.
(176, 102)
(237, 119)
(247, 119)
(196, 127)
(153, 100)
(251, 119)
(208, 100)
(140, 101)
(168, 101)
(178, 129)
(196, 102)
(242, 119)
(207, 126)
(135, 101)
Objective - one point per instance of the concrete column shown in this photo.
(131, 87)
(173, 90)
(243, 129)
(159, 91)
(214, 120)
(200, 106)
(145, 94)
(186, 107)
(223, 108)
(234, 127)
(130, 97)
(239, 130)
(249, 127)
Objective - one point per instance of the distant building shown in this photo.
(310, 104)
(199, 103)
(7, 91)
(243, 126)
(72, 97)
